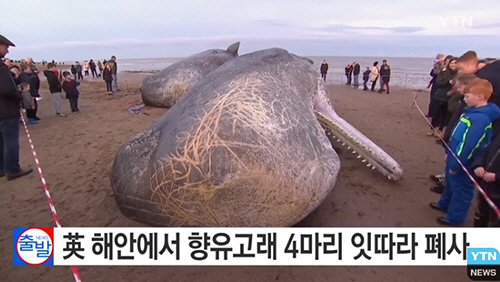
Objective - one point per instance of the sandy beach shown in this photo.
(76, 153)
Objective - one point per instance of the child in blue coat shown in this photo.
(471, 134)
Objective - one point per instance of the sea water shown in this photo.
(405, 72)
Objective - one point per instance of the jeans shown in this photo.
(356, 80)
(323, 75)
(73, 103)
(457, 195)
(9, 146)
(115, 82)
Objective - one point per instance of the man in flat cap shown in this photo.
(10, 106)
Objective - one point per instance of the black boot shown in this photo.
(438, 189)
(20, 173)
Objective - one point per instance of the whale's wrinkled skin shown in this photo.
(164, 89)
(246, 146)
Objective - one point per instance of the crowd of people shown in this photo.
(464, 108)
(371, 75)
(464, 112)
(19, 91)
(107, 70)
(26, 78)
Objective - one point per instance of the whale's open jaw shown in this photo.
(355, 141)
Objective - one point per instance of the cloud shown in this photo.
(486, 26)
(349, 28)
(131, 42)
(405, 29)
(395, 44)
(179, 28)
(273, 22)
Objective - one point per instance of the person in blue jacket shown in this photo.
(471, 134)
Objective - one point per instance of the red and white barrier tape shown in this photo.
(485, 195)
(76, 274)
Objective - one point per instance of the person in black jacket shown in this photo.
(92, 67)
(438, 67)
(10, 106)
(355, 72)
(35, 80)
(15, 71)
(468, 63)
(79, 74)
(462, 80)
(107, 76)
(73, 71)
(385, 77)
(348, 73)
(444, 83)
(366, 76)
(323, 70)
(27, 76)
(54, 81)
(486, 166)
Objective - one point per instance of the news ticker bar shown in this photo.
(257, 246)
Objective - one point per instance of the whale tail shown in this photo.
(233, 48)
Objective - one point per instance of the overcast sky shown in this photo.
(69, 30)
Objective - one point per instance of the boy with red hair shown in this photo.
(471, 134)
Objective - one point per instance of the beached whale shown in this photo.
(163, 89)
(246, 146)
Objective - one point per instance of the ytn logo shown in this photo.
(483, 264)
(489, 256)
(483, 256)
(456, 21)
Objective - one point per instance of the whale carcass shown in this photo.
(246, 146)
(165, 88)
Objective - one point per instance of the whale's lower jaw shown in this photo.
(367, 152)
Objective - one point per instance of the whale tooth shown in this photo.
(354, 152)
(373, 167)
(343, 144)
(363, 161)
(368, 165)
(348, 147)
(388, 177)
(358, 157)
